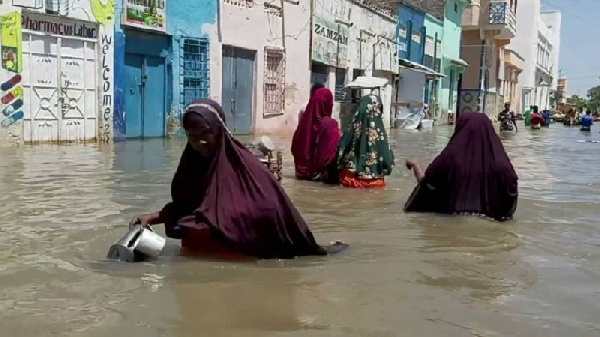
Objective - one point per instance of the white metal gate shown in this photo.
(59, 82)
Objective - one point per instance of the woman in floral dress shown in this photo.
(364, 154)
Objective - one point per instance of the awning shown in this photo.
(406, 64)
(459, 62)
(364, 82)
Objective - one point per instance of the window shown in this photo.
(274, 92)
(455, 7)
(356, 73)
(194, 73)
(319, 73)
(340, 83)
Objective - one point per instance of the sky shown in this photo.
(580, 43)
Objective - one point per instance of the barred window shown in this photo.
(194, 73)
(274, 100)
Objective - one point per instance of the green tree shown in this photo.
(579, 102)
(594, 98)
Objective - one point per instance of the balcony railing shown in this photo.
(500, 13)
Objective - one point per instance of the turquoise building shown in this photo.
(452, 65)
(434, 34)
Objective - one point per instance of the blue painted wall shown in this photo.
(185, 19)
(412, 20)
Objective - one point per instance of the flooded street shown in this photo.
(404, 275)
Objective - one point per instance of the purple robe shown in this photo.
(236, 197)
(473, 174)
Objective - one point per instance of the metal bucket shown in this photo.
(139, 239)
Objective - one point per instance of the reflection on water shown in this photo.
(404, 275)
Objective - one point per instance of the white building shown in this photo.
(259, 63)
(57, 71)
(538, 42)
(350, 39)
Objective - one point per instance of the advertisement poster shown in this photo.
(12, 56)
(330, 43)
(146, 14)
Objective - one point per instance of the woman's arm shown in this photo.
(150, 219)
(413, 164)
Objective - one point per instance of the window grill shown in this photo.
(274, 82)
(194, 70)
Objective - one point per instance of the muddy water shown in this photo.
(405, 275)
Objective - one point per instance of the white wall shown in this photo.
(553, 20)
(525, 41)
(101, 18)
(256, 28)
(361, 45)
(535, 28)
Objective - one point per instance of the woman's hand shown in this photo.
(146, 220)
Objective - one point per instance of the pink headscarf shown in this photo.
(316, 139)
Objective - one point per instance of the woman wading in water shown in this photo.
(226, 203)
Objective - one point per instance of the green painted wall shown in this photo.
(434, 28)
(452, 31)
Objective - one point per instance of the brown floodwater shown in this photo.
(404, 275)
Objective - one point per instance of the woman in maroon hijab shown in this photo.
(316, 140)
(472, 175)
(227, 203)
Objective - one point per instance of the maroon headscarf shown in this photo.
(317, 137)
(473, 174)
(236, 196)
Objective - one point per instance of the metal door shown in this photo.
(238, 89)
(60, 96)
(133, 100)
(145, 98)
(154, 97)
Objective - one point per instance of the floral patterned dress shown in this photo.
(364, 153)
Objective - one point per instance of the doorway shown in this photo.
(238, 89)
(145, 97)
(59, 82)
(147, 83)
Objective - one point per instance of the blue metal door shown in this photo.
(133, 95)
(145, 97)
(238, 89)
(154, 85)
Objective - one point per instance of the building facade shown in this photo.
(452, 64)
(57, 71)
(353, 38)
(488, 27)
(260, 61)
(432, 59)
(419, 34)
(538, 42)
(161, 63)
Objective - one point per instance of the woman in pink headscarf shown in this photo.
(316, 140)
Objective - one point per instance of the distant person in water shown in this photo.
(472, 175)
(313, 89)
(507, 119)
(527, 115)
(225, 202)
(546, 117)
(315, 142)
(587, 121)
(536, 118)
(364, 155)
